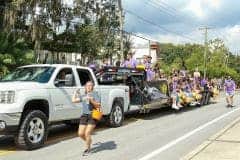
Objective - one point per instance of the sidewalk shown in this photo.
(225, 145)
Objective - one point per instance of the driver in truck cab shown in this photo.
(61, 78)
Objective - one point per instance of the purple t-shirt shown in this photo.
(203, 82)
(229, 86)
(150, 72)
(174, 85)
(150, 75)
(131, 63)
(188, 88)
(147, 65)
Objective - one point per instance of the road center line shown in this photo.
(174, 142)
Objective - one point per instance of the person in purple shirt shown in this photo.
(174, 94)
(203, 82)
(148, 67)
(130, 62)
(229, 87)
(92, 66)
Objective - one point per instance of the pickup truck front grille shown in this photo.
(7, 96)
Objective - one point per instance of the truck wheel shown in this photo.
(33, 131)
(116, 116)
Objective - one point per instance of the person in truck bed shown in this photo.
(148, 67)
(130, 62)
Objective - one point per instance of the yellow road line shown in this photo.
(7, 151)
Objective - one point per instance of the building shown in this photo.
(141, 50)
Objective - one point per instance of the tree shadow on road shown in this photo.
(110, 145)
(7, 144)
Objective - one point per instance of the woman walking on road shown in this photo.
(89, 100)
(230, 88)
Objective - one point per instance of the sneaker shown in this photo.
(232, 106)
(193, 103)
(86, 152)
(180, 106)
(175, 107)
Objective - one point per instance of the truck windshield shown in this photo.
(35, 74)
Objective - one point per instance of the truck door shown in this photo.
(62, 93)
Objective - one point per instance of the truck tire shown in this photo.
(32, 131)
(116, 116)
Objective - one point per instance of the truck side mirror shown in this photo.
(56, 83)
(59, 82)
(68, 81)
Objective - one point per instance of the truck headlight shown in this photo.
(7, 96)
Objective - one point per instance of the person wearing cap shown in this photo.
(130, 62)
(229, 87)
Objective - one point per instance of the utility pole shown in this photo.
(205, 29)
(121, 28)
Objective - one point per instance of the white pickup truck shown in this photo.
(35, 96)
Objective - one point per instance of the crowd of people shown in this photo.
(185, 87)
(146, 64)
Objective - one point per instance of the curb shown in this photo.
(210, 140)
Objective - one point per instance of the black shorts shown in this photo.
(86, 119)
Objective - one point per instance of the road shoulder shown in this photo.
(223, 145)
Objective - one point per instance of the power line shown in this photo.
(162, 9)
(174, 13)
(177, 15)
(167, 5)
(158, 26)
(222, 35)
(141, 36)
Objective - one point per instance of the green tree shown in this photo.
(13, 53)
(44, 22)
(220, 62)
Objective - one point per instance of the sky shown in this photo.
(178, 21)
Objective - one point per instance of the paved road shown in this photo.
(160, 135)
